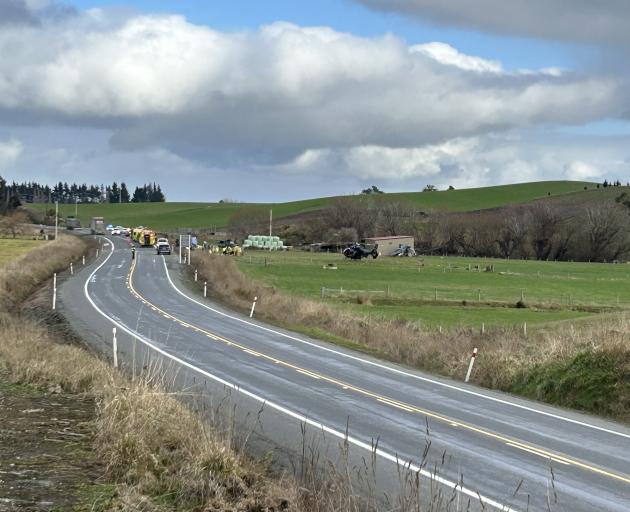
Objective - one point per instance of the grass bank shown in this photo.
(554, 365)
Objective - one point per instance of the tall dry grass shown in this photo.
(21, 277)
(536, 365)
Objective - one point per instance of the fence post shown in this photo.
(470, 366)
(525, 329)
(54, 300)
(323, 292)
(435, 293)
(115, 347)
(522, 295)
(483, 328)
(479, 295)
(251, 313)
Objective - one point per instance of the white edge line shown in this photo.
(288, 412)
(396, 370)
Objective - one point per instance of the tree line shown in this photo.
(543, 230)
(33, 192)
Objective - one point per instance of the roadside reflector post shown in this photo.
(54, 300)
(251, 313)
(470, 366)
(205, 288)
(97, 253)
(115, 347)
(71, 269)
(83, 259)
(195, 275)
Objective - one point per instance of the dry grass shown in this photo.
(508, 360)
(22, 276)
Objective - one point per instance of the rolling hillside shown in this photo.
(165, 216)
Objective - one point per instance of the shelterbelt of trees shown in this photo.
(32, 192)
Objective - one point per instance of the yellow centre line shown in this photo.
(389, 401)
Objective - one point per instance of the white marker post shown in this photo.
(470, 366)
(97, 253)
(195, 275)
(115, 348)
(205, 288)
(83, 259)
(54, 304)
(251, 313)
(71, 269)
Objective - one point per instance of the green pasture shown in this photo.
(11, 249)
(168, 216)
(448, 291)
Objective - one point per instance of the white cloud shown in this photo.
(446, 54)
(272, 94)
(10, 151)
(578, 170)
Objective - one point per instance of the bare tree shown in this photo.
(542, 223)
(248, 221)
(357, 213)
(13, 223)
(395, 218)
(511, 234)
(606, 229)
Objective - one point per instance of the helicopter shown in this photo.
(356, 251)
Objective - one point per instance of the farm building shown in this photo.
(388, 244)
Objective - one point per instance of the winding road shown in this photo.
(474, 447)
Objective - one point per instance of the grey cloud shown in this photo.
(578, 21)
(16, 12)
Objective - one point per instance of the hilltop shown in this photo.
(166, 216)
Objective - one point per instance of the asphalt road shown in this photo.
(471, 446)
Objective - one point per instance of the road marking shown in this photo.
(401, 405)
(392, 369)
(536, 452)
(300, 417)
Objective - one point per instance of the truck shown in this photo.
(97, 226)
(72, 222)
(162, 246)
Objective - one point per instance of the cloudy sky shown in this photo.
(278, 100)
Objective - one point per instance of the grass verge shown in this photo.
(542, 365)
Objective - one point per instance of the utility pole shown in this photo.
(56, 218)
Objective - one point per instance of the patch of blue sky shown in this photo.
(347, 16)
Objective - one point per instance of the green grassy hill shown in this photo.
(165, 216)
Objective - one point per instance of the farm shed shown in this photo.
(388, 244)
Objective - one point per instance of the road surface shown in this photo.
(475, 446)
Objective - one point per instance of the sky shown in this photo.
(281, 100)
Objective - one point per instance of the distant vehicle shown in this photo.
(118, 230)
(73, 223)
(357, 251)
(97, 226)
(110, 227)
(162, 246)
